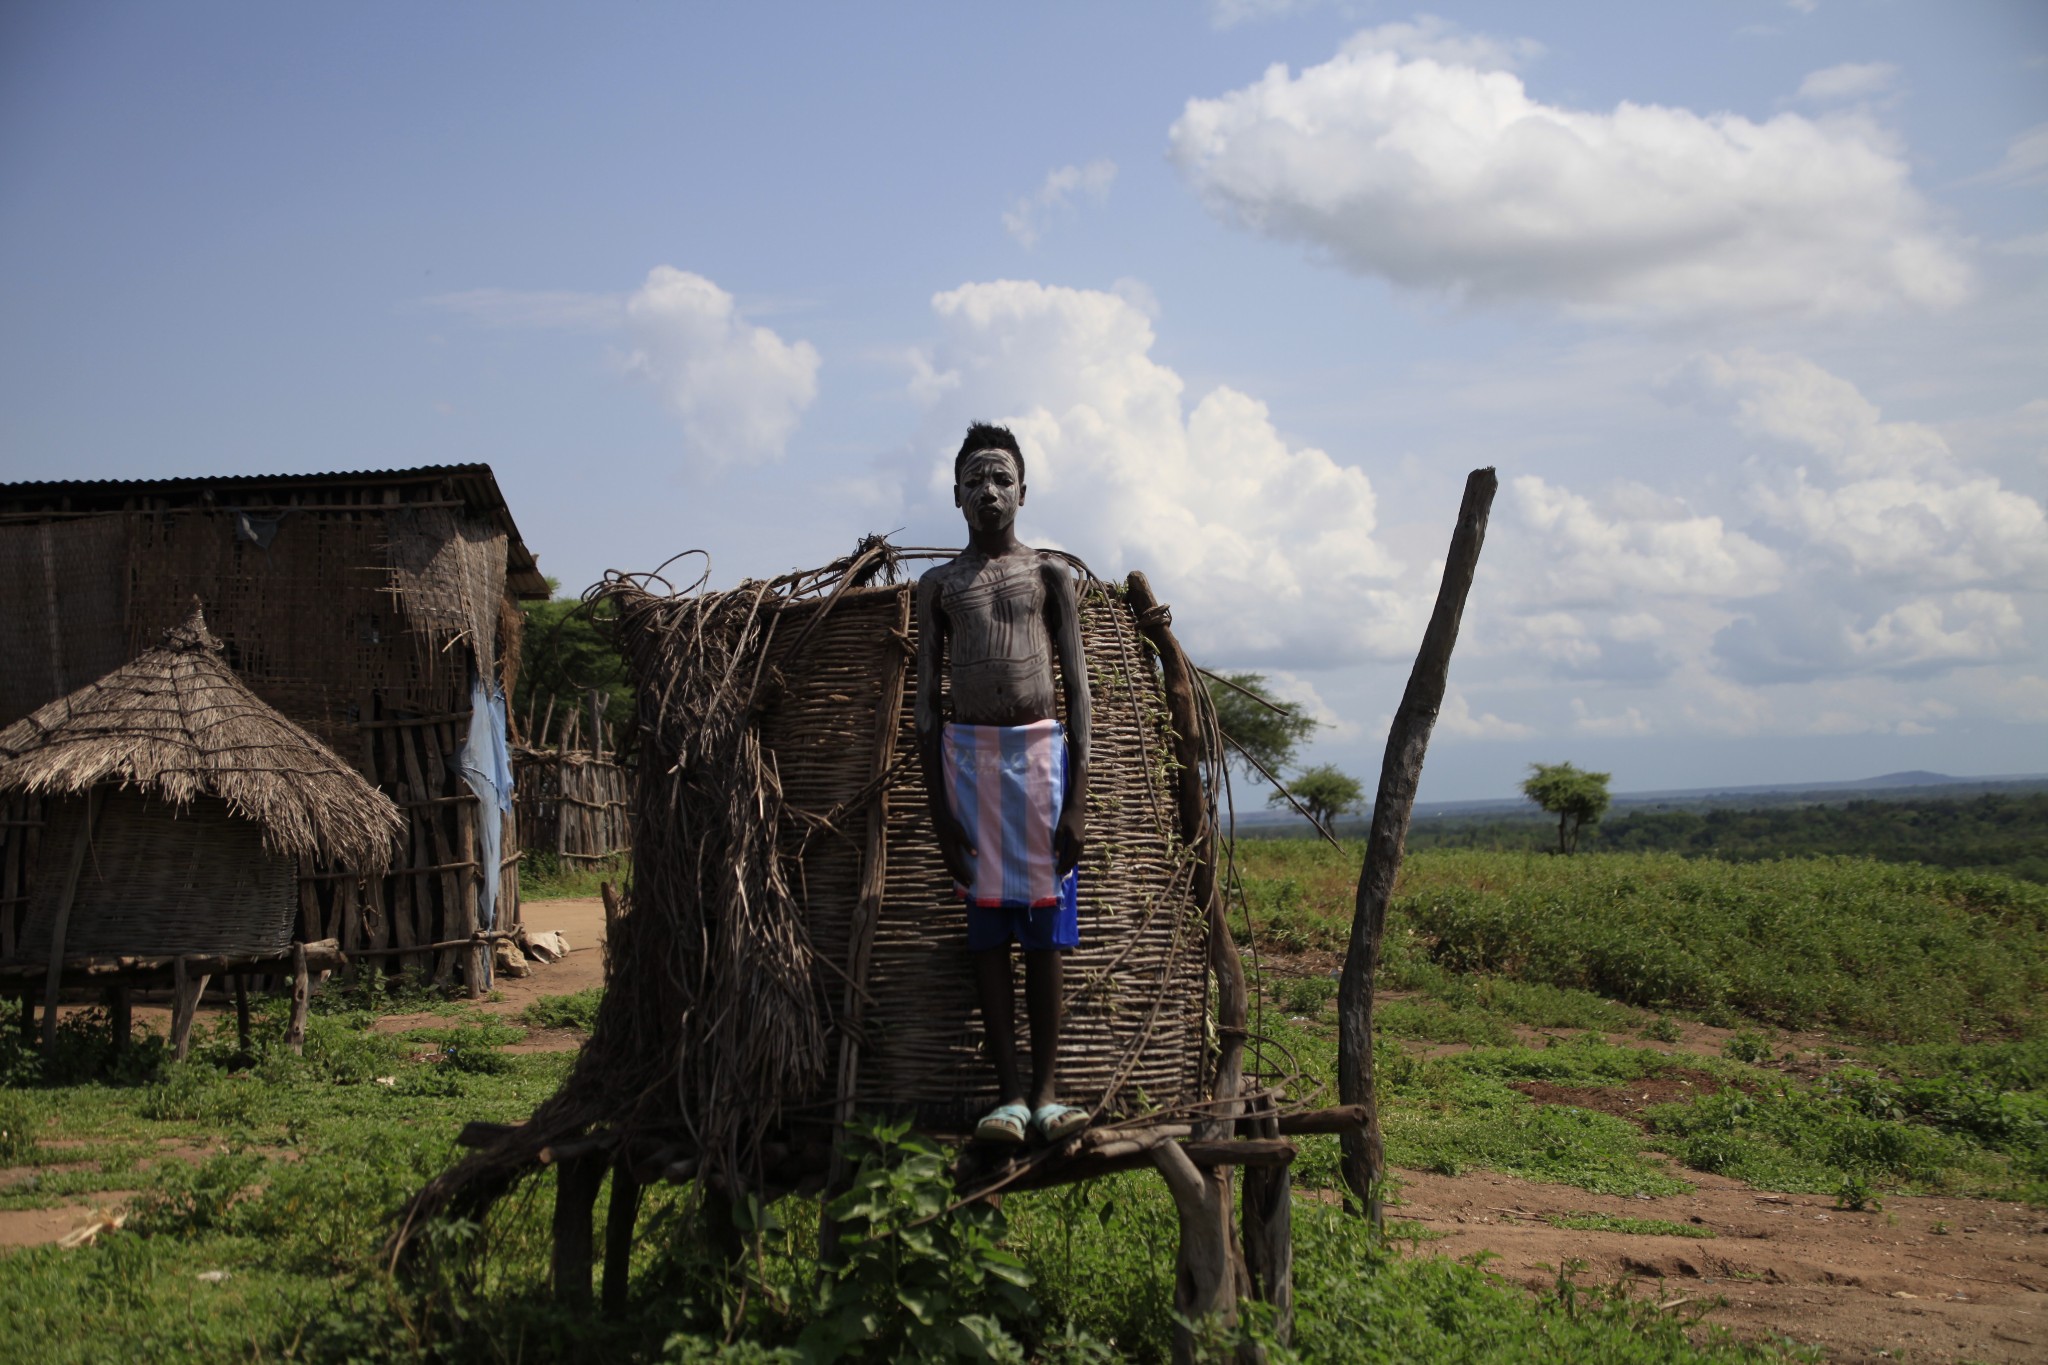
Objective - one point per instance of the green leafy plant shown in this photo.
(915, 1278)
(1856, 1195)
(1662, 1030)
(1747, 1046)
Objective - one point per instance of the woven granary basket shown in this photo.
(1135, 988)
(162, 881)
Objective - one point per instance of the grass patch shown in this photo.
(1634, 1227)
(577, 1011)
(543, 877)
(302, 1162)
(1890, 952)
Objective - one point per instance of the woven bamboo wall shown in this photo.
(155, 882)
(1136, 987)
(65, 590)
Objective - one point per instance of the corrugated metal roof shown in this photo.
(474, 484)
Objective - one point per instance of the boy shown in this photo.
(1008, 784)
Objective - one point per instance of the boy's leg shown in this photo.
(993, 982)
(1043, 972)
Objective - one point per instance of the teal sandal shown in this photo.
(1055, 1121)
(1004, 1124)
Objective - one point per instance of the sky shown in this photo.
(1746, 302)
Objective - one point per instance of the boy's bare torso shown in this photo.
(998, 643)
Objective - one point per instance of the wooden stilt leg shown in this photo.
(242, 1012)
(63, 920)
(120, 1015)
(576, 1182)
(28, 1017)
(302, 994)
(721, 1229)
(620, 1216)
(1269, 1241)
(186, 987)
(1207, 1268)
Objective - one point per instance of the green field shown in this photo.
(260, 1187)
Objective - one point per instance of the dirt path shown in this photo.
(1857, 1284)
(581, 922)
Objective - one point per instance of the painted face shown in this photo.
(988, 490)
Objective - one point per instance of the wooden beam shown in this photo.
(1364, 1159)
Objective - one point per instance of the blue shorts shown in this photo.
(1045, 928)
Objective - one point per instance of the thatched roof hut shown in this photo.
(196, 800)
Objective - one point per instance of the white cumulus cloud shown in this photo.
(1266, 549)
(1595, 555)
(1879, 497)
(1435, 168)
(1849, 81)
(2026, 159)
(1456, 717)
(1027, 219)
(739, 390)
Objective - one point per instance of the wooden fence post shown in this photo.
(1364, 1159)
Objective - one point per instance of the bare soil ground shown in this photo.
(1864, 1286)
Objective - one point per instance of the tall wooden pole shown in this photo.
(1364, 1157)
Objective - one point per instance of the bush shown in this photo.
(915, 1278)
(1747, 1046)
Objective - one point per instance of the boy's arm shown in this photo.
(954, 849)
(1063, 621)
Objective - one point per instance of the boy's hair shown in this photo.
(984, 436)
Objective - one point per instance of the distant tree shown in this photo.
(1576, 797)
(1268, 729)
(1324, 793)
(565, 650)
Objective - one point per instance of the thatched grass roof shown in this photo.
(177, 725)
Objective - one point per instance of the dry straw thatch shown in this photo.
(178, 726)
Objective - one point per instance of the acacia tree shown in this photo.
(1324, 792)
(1261, 725)
(1576, 797)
